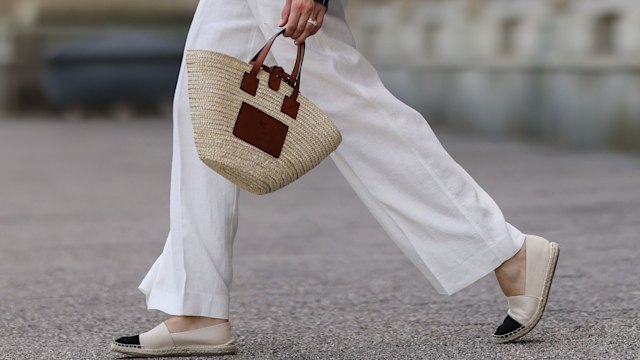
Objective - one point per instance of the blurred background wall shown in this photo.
(42, 61)
(560, 71)
(563, 71)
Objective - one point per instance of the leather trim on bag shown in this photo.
(274, 82)
(260, 130)
(249, 84)
(290, 106)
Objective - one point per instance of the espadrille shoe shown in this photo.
(526, 310)
(159, 342)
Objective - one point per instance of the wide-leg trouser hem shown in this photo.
(480, 265)
(188, 303)
(472, 269)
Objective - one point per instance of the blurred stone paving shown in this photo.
(84, 213)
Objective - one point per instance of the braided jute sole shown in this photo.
(524, 330)
(190, 350)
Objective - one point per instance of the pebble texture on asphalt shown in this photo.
(84, 213)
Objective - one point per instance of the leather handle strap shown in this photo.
(261, 56)
(297, 69)
(291, 104)
(250, 81)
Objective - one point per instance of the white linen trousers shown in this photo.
(441, 219)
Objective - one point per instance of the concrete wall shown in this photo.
(554, 80)
(28, 26)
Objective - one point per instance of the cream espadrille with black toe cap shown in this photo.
(526, 310)
(159, 342)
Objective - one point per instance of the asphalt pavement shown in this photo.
(84, 213)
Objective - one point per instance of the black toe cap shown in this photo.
(508, 326)
(129, 340)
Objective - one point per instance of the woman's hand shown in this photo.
(296, 15)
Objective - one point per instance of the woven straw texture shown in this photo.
(215, 99)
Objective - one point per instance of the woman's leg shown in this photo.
(447, 225)
(193, 274)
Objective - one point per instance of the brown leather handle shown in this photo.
(261, 56)
(250, 81)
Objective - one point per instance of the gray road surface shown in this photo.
(84, 213)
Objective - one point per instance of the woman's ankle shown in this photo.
(511, 275)
(186, 323)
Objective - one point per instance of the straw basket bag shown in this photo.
(250, 122)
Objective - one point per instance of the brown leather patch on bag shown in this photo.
(260, 130)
